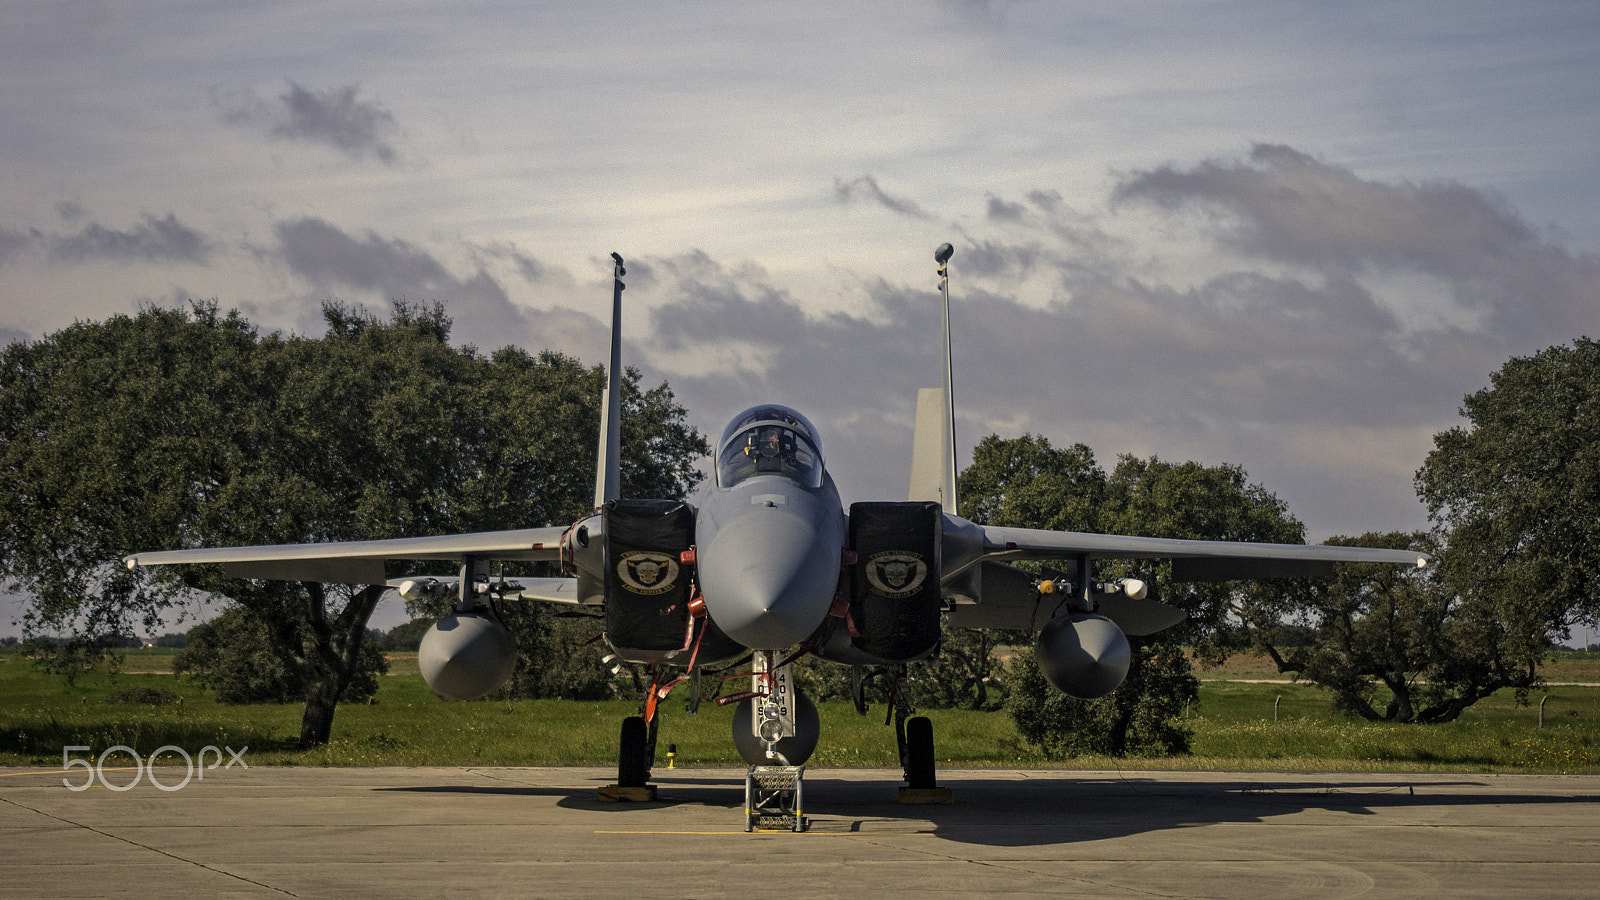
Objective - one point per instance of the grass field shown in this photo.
(1237, 725)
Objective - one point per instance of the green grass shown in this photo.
(1493, 735)
(1234, 728)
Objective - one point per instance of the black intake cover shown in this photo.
(894, 585)
(647, 587)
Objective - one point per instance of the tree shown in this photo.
(1192, 501)
(70, 658)
(89, 430)
(407, 637)
(534, 471)
(183, 428)
(234, 656)
(1517, 490)
(558, 656)
(1024, 482)
(1139, 718)
(965, 673)
(1382, 628)
(1515, 494)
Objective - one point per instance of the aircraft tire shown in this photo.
(633, 770)
(919, 753)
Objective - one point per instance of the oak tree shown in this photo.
(1025, 482)
(187, 428)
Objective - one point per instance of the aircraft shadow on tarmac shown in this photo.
(700, 793)
(1013, 812)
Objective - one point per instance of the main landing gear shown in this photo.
(914, 735)
(636, 746)
(635, 752)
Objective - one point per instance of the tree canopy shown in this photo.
(1025, 482)
(186, 428)
(1379, 628)
(1515, 499)
(1518, 490)
(233, 655)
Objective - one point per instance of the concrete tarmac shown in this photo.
(514, 832)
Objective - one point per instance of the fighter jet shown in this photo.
(767, 565)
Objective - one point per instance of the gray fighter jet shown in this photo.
(767, 565)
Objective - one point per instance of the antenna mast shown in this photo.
(608, 468)
(942, 257)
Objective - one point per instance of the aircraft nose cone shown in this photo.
(769, 579)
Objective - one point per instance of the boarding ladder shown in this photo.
(773, 799)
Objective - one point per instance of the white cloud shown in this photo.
(1285, 207)
(1304, 373)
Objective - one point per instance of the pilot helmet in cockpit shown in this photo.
(770, 447)
(769, 440)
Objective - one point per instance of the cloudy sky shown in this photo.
(1286, 235)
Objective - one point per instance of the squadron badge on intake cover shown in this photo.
(648, 572)
(896, 573)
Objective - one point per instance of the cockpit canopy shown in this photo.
(769, 440)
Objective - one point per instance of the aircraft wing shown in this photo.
(550, 590)
(359, 562)
(1192, 560)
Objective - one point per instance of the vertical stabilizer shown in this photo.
(608, 467)
(932, 467)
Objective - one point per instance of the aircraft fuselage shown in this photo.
(768, 553)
